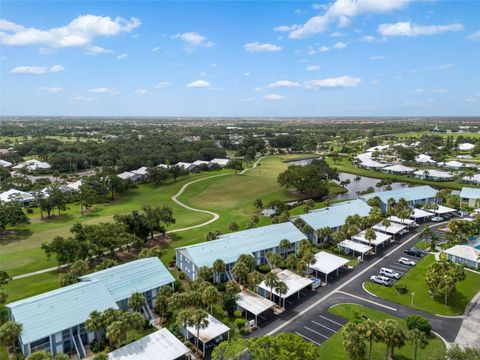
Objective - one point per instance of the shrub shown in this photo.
(264, 269)
(237, 314)
(401, 289)
(181, 276)
(419, 322)
(240, 323)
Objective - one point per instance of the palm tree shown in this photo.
(353, 341)
(115, 332)
(210, 297)
(204, 273)
(240, 271)
(418, 339)
(199, 321)
(291, 261)
(254, 278)
(309, 258)
(9, 333)
(285, 245)
(273, 259)
(281, 290)
(370, 235)
(95, 324)
(338, 236)
(386, 223)
(426, 232)
(392, 335)
(184, 319)
(271, 281)
(218, 268)
(136, 301)
(371, 332)
(323, 233)
(448, 286)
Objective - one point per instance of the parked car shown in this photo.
(422, 251)
(437, 219)
(382, 280)
(407, 261)
(413, 252)
(390, 273)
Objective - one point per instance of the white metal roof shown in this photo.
(396, 219)
(75, 185)
(367, 161)
(473, 178)
(141, 171)
(393, 229)
(355, 246)
(219, 161)
(127, 175)
(442, 210)
(419, 213)
(253, 302)
(466, 146)
(432, 173)
(380, 239)
(398, 169)
(5, 163)
(424, 158)
(464, 252)
(214, 329)
(294, 283)
(14, 195)
(161, 344)
(327, 263)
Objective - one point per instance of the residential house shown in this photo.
(464, 255)
(17, 195)
(432, 174)
(470, 197)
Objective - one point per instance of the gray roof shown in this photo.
(470, 193)
(407, 193)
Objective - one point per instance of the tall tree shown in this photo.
(418, 339)
(392, 335)
(271, 281)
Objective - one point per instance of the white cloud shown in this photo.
(140, 92)
(122, 56)
(367, 39)
(100, 90)
(380, 57)
(286, 28)
(194, 41)
(339, 45)
(36, 70)
(341, 11)
(312, 68)
(96, 50)
(274, 97)
(161, 85)
(409, 29)
(432, 68)
(198, 84)
(247, 73)
(336, 82)
(156, 48)
(317, 6)
(256, 47)
(51, 90)
(82, 98)
(337, 34)
(439, 91)
(81, 31)
(474, 36)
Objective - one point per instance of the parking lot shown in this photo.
(319, 328)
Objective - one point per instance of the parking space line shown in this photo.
(326, 327)
(316, 332)
(367, 300)
(332, 321)
(307, 338)
(398, 267)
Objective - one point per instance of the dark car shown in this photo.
(422, 251)
(413, 252)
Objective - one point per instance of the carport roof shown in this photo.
(419, 213)
(396, 219)
(355, 246)
(393, 228)
(442, 210)
(214, 329)
(327, 263)
(253, 302)
(294, 283)
(380, 239)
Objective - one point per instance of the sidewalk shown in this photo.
(469, 334)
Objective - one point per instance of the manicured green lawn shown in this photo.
(414, 281)
(334, 350)
(32, 285)
(418, 134)
(345, 165)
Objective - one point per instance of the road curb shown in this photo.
(368, 292)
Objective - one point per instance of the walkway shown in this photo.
(469, 334)
(214, 218)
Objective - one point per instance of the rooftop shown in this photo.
(380, 238)
(470, 193)
(335, 215)
(398, 168)
(135, 276)
(464, 252)
(419, 213)
(393, 228)
(161, 344)
(60, 309)
(293, 281)
(214, 329)
(253, 303)
(327, 263)
(230, 246)
(433, 173)
(355, 246)
(407, 193)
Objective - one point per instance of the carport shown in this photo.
(408, 222)
(379, 240)
(442, 210)
(213, 330)
(327, 263)
(294, 283)
(354, 247)
(393, 229)
(253, 303)
(421, 214)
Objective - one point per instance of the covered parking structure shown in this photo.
(354, 247)
(407, 222)
(214, 330)
(161, 344)
(294, 283)
(393, 229)
(327, 263)
(379, 239)
(253, 303)
(419, 214)
(443, 210)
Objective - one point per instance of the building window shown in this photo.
(39, 345)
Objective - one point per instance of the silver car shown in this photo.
(407, 261)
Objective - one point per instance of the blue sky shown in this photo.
(339, 58)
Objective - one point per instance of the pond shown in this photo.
(361, 184)
(302, 161)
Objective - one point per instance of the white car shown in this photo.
(382, 280)
(407, 261)
(437, 219)
(390, 273)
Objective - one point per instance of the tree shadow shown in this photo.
(16, 235)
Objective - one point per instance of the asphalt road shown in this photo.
(347, 288)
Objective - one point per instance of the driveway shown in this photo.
(469, 334)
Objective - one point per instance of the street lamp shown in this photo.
(411, 301)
